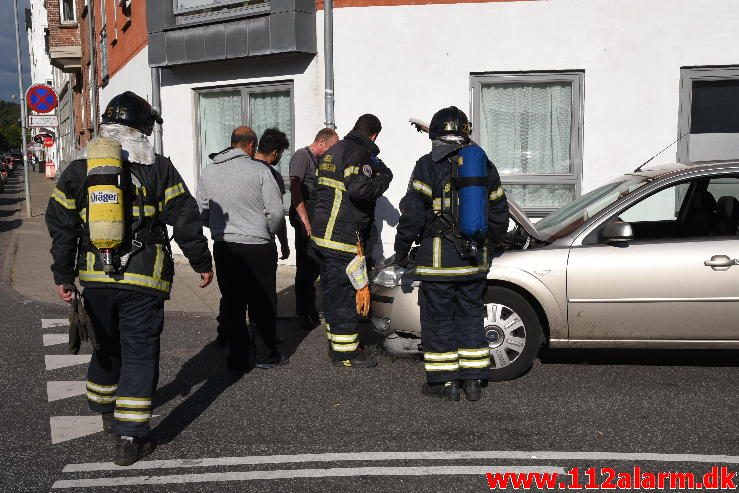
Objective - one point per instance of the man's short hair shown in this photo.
(243, 135)
(325, 134)
(368, 125)
(273, 140)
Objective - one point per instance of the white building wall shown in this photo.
(133, 76)
(408, 61)
(40, 64)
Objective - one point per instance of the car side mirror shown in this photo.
(617, 232)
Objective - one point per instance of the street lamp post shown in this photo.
(21, 96)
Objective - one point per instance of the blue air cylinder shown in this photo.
(473, 192)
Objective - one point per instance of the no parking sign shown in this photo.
(41, 98)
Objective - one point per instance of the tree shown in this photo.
(13, 136)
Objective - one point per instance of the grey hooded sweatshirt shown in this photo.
(239, 199)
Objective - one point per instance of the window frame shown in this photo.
(246, 90)
(577, 80)
(688, 75)
(68, 22)
(225, 9)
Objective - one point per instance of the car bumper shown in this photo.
(395, 309)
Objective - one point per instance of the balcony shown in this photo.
(66, 58)
(193, 31)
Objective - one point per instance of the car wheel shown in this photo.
(513, 331)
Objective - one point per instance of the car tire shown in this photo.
(533, 333)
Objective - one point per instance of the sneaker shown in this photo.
(361, 360)
(446, 390)
(108, 421)
(284, 360)
(472, 389)
(132, 449)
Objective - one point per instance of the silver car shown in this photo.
(649, 260)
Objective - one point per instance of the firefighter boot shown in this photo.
(472, 389)
(108, 421)
(446, 390)
(132, 449)
(361, 360)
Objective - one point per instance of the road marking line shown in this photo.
(49, 323)
(299, 473)
(64, 428)
(54, 339)
(58, 390)
(56, 361)
(390, 456)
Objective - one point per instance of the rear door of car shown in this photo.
(678, 279)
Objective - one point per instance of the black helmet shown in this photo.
(450, 121)
(133, 111)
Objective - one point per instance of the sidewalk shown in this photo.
(30, 274)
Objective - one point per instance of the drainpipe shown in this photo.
(156, 103)
(328, 50)
(94, 110)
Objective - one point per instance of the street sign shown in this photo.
(43, 121)
(41, 98)
(48, 142)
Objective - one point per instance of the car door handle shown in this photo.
(721, 262)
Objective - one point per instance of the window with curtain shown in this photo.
(267, 106)
(530, 127)
(68, 11)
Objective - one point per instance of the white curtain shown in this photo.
(274, 110)
(220, 114)
(526, 129)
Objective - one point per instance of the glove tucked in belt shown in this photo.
(80, 326)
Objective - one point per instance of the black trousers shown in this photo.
(306, 274)
(124, 373)
(339, 305)
(453, 332)
(246, 277)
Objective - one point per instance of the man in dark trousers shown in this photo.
(241, 203)
(126, 305)
(303, 189)
(453, 270)
(350, 180)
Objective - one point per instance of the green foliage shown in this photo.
(10, 130)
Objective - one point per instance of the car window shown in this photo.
(694, 209)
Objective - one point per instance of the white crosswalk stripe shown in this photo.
(65, 428)
(50, 323)
(54, 339)
(56, 361)
(58, 390)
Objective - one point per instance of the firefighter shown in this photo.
(452, 269)
(350, 179)
(125, 289)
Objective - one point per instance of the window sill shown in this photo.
(126, 25)
(69, 25)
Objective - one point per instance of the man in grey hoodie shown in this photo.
(241, 203)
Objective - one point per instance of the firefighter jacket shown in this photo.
(426, 219)
(155, 196)
(350, 179)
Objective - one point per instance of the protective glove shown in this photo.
(81, 327)
(401, 260)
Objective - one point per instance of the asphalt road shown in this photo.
(272, 429)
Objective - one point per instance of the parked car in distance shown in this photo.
(3, 173)
(648, 260)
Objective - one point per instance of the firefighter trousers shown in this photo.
(124, 373)
(452, 330)
(339, 306)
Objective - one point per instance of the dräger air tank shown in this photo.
(105, 199)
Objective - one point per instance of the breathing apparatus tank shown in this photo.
(105, 208)
(473, 192)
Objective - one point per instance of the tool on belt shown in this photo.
(357, 272)
(81, 328)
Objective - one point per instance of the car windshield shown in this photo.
(567, 219)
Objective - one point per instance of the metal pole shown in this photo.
(156, 102)
(22, 97)
(328, 50)
(93, 68)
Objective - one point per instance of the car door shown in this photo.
(677, 278)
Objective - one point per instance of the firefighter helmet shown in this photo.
(450, 122)
(133, 111)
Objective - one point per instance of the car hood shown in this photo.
(520, 218)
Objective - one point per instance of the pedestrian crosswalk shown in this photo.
(65, 428)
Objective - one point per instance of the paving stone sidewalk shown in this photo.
(29, 260)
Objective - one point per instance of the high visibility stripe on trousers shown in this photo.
(441, 361)
(133, 409)
(474, 358)
(101, 394)
(343, 343)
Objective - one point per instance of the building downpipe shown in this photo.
(328, 50)
(156, 102)
(94, 110)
